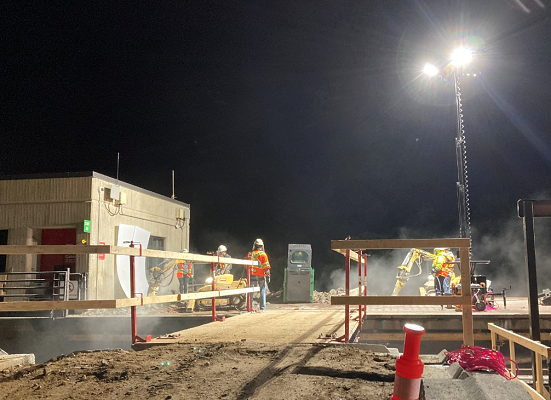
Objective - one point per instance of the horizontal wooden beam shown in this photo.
(55, 249)
(118, 303)
(399, 244)
(119, 250)
(353, 254)
(400, 300)
(537, 347)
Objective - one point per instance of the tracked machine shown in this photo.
(481, 293)
(224, 281)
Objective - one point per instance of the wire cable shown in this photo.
(475, 358)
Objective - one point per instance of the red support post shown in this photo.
(133, 318)
(213, 304)
(249, 298)
(359, 288)
(365, 282)
(347, 307)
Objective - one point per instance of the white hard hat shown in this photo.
(185, 251)
(258, 243)
(222, 248)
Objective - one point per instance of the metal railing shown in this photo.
(43, 285)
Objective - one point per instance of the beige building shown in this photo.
(75, 207)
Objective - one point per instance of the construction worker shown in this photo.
(184, 274)
(260, 274)
(222, 268)
(443, 264)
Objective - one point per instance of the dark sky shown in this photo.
(294, 121)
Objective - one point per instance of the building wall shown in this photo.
(29, 205)
(148, 211)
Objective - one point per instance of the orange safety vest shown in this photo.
(180, 272)
(442, 264)
(263, 263)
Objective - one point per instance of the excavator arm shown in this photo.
(158, 273)
(415, 256)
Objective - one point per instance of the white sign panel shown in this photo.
(128, 233)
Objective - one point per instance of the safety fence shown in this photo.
(43, 285)
(538, 351)
(355, 249)
(133, 251)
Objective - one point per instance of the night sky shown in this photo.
(293, 121)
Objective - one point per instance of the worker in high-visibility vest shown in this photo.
(260, 274)
(184, 273)
(222, 268)
(443, 264)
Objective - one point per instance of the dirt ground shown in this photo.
(231, 371)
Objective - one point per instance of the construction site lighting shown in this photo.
(430, 69)
(461, 56)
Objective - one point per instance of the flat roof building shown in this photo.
(86, 208)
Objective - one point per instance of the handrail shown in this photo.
(40, 289)
(539, 349)
(115, 250)
(463, 244)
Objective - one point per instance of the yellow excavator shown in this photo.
(158, 273)
(415, 256)
(223, 281)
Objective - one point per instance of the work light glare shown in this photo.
(430, 69)
(461, 56)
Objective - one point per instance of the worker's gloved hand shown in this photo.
(191, 276)
(267, 278)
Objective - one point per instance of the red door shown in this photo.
(52, 262)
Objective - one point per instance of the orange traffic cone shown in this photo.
(409, 368)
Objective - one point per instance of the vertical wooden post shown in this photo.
(347, 307)
(468, 333)
(512, 353)
(493, 336)
(538, 379)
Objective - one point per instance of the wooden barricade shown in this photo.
(2, 284)
(540, 350)
(115, 303)
(463, 244)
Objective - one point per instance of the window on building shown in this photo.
(155, 243)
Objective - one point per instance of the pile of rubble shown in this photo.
(325, 297)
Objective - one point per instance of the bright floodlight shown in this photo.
(430, 69)
(461, 56)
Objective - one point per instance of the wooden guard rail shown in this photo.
(539, 350)
(463, 244)
(115, 303)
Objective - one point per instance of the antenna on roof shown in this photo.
(117, 168)
(173, 185)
